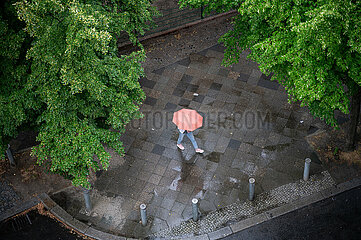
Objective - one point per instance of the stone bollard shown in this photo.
(251, 188)
(143, 213)
(195, 209)
(10, 156)
(88, 204)
(306, 171)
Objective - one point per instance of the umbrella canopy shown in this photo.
(187, 119)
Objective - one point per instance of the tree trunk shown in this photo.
(351, 137)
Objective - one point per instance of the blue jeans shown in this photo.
(190, 136)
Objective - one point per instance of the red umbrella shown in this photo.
(187, 119)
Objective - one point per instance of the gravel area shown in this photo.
(8, 197)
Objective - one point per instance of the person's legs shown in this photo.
(191, 137)
(180, 138)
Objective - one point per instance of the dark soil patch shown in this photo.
(329, 146)
(42, 227)
(28, 178)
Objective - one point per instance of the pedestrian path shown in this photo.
(249, 130)
(241, 210)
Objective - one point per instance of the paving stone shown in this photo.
(183, 198)
(178, 92)
(192, 88)
(158, 149)
(158, 224)
(186, 78)
(218, 48)
(221, 233)
(234, 144)
(216, 86)
(184, 62)
(155, 179)
(167, 203)
(144, 175)
(174, 219)
(178, 207)
(144, 82)
(162, 213)
(159, 169)
(268, 84)
(243, 77)
(194, 105)
(207, 206)
(149, 166)
(170, 107)
(159, 71)
(149, 187)
(212, 93)
(187, 188)
(157, 199)
(222, 144)
(183, 85)
(198, 98)
(184, 102)
(150, 101)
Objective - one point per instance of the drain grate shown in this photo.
(16, 224)
(20, 222)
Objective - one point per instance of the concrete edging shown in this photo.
(282, 210)
(82, 228)
(19, 208)
(75, 224)
(278, 211)
(153, 35)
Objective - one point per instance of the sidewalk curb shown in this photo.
(282, 210)
(218, 234)
(82, 228)
(276, 212)
(75, 224)
(19, 208)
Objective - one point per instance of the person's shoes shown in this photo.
(198, 150)
(180, 146)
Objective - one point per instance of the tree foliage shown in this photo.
(15, 108)
(312, 47)
(82, 91)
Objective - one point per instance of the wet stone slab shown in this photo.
(240, 210)
(245, 133)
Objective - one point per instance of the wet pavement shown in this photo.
(338, 217)
(249, 131)
(214, 223)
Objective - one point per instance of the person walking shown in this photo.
(191, 137)
(187, 120)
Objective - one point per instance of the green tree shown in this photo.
(312, 47)
(16, 106)
(82, 92)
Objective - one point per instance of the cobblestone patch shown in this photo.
(241, 210)
(8, 196)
